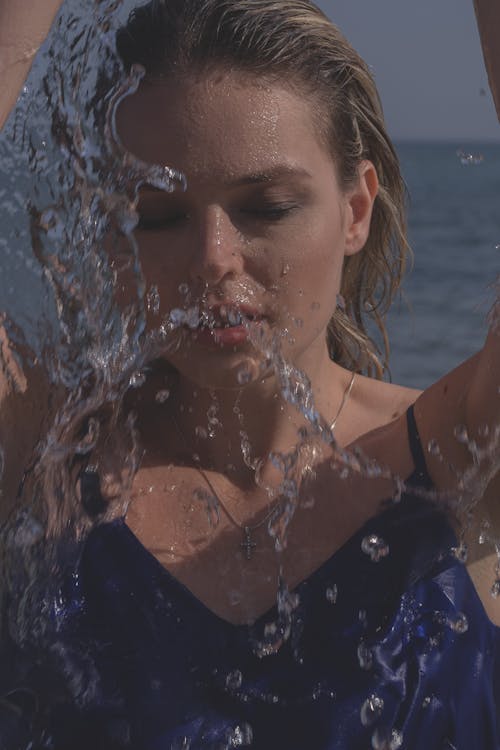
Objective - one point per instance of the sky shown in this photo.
(427, 61)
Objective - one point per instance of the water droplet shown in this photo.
(484, 534)
(484, 431)
(235, 597)
(240, 736)
(234, 680)
(137, 379)
(183, 289)
(383, 740)
(285, 270)
(371, 710)
(298, 322)
(177, 317)
(192, 317)
(460, 552)
(433, 448)
(331, 594)
(162, 396)
(234, 317)
(459, 624)
(468, 159)
(244, 376)
(210, 502)
(427, 701)
(180, 743)
(495, 590)
(153, 300)
(374, 546)
(27, 532)
(365, 656)
(461, 434)
(201, 432)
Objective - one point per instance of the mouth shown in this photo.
(225, 324)
(226, 316)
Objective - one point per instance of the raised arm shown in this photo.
(459, 416)
(488, 21)
(24, 24)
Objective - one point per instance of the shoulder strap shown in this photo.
(421, 473)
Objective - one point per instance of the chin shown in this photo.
(234, 372)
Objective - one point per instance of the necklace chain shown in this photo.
(345, 398)
(248, 545)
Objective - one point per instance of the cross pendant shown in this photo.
(248, 545)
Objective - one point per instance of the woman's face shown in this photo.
(258, 238)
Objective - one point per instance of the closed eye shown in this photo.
(157, 223)
(271, 211)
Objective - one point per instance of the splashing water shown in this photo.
(80, 190)
(76, 244)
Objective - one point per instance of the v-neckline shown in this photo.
(317, 573)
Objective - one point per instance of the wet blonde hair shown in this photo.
(293, 42)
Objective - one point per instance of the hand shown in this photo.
(24, 24)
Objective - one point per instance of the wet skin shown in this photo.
(263, 224)
(263, 221)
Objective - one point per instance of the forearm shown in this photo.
(488, 21)
(24, 24)
(483, 398)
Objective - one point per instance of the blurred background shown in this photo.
(427, 61)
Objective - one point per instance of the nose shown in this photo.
(218, 251)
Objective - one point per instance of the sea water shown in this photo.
(454, 230)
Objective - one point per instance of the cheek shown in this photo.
(162, 270)
(313, 262)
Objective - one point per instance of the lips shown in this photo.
(227, 315)
(226, 324)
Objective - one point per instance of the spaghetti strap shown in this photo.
(420, 473)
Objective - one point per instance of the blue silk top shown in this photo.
(387, 654)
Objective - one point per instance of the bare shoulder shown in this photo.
(377, 423)
(383, 402)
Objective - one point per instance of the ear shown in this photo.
(359, 203)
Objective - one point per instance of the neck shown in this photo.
(229, 429)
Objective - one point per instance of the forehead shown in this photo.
(220, 122)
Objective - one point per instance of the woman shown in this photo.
(292, 198)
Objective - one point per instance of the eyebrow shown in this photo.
(278, 172)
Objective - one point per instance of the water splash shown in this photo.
(468, 159)
(371, 710)
(375, 547)
(81, 213)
